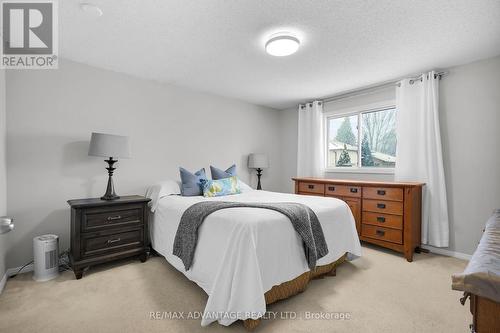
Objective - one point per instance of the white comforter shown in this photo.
(244, 252)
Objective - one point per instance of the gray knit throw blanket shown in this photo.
(304, 221)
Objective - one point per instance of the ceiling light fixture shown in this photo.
(91, 9)
(282, 44)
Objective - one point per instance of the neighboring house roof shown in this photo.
(336, 145)
(383, 157)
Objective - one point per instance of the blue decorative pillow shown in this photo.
(191, 183)
(220, 174)
(220, 187)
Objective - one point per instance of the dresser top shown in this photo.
(96, 202)
(358, 182)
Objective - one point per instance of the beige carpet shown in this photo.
(381, 292)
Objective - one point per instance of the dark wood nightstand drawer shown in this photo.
(113, 242)
(106, 230)
(102, 218)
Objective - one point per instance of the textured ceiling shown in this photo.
(216, 46)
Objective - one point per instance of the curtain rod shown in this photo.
(375, 87)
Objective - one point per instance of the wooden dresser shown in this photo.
(103, 231)
(387, 214)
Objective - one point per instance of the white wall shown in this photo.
(3, 175)
(470, 125)
(470, 129)
(51, 114)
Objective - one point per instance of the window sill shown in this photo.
(387, 171)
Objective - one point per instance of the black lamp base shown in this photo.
(110, 190)
(110, 197)
(259, 174)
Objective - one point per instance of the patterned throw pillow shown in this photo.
(220, 187)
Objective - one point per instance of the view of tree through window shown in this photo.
(343, 141)
(375, 130)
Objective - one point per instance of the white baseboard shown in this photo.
(447, 253)
(12, 271)
(3, 282)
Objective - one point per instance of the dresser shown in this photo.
(387, 214)
(104, 231)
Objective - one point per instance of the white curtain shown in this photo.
(419, 155)
(310, 154)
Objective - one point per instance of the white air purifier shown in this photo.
(46, 254)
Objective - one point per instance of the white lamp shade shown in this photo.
(258, 161)
(109, 145)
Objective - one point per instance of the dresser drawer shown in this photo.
(313, 194)
(381, 206)
(355, 206)
(312, 188)
(343, 190)
(383, 220)
(385, 234)
(383, 193)
(101, 218)
(113, 242)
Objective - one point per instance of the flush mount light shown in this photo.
(91, 9)
(282, 45)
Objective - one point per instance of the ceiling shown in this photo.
(217, 46)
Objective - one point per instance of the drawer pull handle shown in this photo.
(380, 233)
(111, 241)
(381, 206)
(112, 218)
(331, 188)
(464, 298)
(354, 190)
(380, 219)
(310, 186)
(381, 192)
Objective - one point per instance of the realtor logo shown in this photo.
(29, 34)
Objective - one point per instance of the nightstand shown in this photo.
(104, 231)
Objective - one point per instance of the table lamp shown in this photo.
(111, 146)
(258, 162)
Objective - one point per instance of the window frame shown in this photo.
(354, 111)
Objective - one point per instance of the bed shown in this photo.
(242, 253)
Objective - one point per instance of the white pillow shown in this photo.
(244, 187)
(160, 190)
(172, 187)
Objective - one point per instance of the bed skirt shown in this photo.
(295, 286)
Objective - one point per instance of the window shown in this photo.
(362, 139)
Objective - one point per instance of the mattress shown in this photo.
(243, 252)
